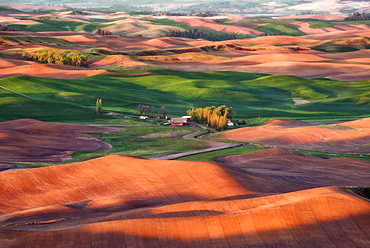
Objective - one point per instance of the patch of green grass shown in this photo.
(344, 45)
(257, 96)
(335, 48)
(143, 141)
(166, 22)
(335, 155)
(208, 156)
(56, 25)
(40, 40)
(6, 8)
(19, 108)
(258, 20)
(128, 11)
(280, 29)
(320, 24)
(147, 142)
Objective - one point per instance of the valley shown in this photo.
(291, 171)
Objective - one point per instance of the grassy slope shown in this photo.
(280, 29)
(39, 40)
(145, 142)
(344, 45)
(249, 94)
(56, 25)
(5, 8)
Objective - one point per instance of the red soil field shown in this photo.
(27, 140)
(210, 24)
(117, 60)
(319, 17)
(340, 34)
(9, 67)
(357, 124)
(280, 171)
(268, 54)
(331, 138)
(131, 202)
(305, 27)
(277, 40)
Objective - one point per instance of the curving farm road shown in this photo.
(211, 145)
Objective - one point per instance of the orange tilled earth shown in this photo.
(286, 55)
(268, 198)
(119, 201)
(347, 137)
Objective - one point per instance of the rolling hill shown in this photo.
(249, 94)
(282, 68)
(134, 202)
(336, 138)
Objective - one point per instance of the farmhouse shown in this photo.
(178, 121)
(187, 117)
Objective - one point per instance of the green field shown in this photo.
(147, 142)
(40, 40)
(56, 25)
(5, 8)
(344, 45)
(208, 156)
(274, 29)
(251, 95)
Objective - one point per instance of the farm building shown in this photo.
(187, 117)
(178, 121)
(230, 123)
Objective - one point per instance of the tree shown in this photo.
(215, 117)
(163, 112)
(99, 107)
(146, 109)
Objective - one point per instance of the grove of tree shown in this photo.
(55, 57)
(215, 117)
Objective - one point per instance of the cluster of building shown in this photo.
(182, 121)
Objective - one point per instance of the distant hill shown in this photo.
(291, 7)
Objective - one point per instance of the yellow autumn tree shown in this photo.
(215, 117)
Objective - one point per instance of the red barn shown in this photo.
(178, 121)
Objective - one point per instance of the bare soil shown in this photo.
(266, 54)
(27, 140)
(131, 202)
(322, 137)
